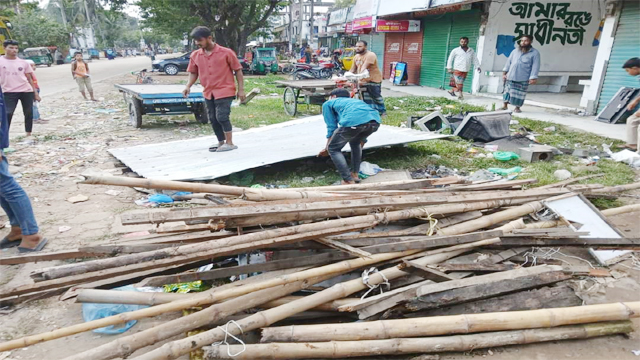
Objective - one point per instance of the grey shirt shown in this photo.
(522, 66)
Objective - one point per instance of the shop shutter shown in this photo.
(464, 24)
(434, 49)
(626, 45)
(412, 55)
(389, 57)
(376, 45)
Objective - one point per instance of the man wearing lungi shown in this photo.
(459, 64)
(520, 71)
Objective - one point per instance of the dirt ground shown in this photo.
(76, 140)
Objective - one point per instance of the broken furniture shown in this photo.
(485, 126)
(535, 153)
(154, 99)
(616, 110)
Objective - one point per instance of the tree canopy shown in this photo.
(34, 29)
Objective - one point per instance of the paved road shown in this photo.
(57, 78)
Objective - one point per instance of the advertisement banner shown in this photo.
(348, 28)
(398, 26)
(363, 23)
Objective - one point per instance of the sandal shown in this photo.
(452, 93)
(7, 244)
(226, 147)
(39, 247)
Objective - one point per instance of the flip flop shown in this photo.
(452, 93)
(7, 244)
(226, 147)
(40, 246)
(213, 148)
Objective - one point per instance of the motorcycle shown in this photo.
(323, 70)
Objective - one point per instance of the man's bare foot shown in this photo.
(344, 182)
(30, 241)
(14, 234)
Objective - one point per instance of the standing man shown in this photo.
(14, 201)
(215, 65)
(17, 83)
(307, 54)
(348, 121)
(459, 65)
(367, 60)
(632, 67)
(520, 71)
(80, 72)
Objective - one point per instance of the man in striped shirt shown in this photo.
(459, 65)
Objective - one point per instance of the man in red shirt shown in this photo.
(215, 66)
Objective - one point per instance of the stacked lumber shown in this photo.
(417, 259)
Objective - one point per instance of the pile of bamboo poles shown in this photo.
(396, 254)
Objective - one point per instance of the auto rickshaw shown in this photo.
(347, 58)
(94, 53)
(264, 60)
(39, 55)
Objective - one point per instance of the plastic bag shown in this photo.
(505, 172)
(91, 311)
(505, 155)
(369, 169)
(160, 199)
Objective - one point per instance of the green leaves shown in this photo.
(34, 29)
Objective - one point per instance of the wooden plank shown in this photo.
(334, 244)
(314, 260)
(484, 291)
(612, 243)
(424, 272)
(476, 267)
(544, 298)
(57, 255)
(428, 242)
(113, 250)
(505, 255)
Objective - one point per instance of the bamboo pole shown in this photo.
(615, 189)
(202, 299)
(492, 219)
(246, 193)
(453, 324)
(264, 318)
(621, 210)
(348, 349)
(101, 264)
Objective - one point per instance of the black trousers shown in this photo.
(218, 111)
(26, 99)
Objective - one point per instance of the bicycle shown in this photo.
(141, 77)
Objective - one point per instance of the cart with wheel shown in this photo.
(149, 99)
(300, 92)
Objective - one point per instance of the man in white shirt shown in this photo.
(459, 65)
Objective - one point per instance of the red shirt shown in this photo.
(215, 71)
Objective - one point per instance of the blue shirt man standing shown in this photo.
(349, 121)
(520, 71)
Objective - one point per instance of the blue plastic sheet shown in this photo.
(91, 311)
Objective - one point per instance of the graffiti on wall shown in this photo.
(550, 22)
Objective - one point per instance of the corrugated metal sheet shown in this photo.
(395, 54)
(191, 160)
(412, 55)
(626, 44)
(434, 49)
(376, 45)
(464, 24)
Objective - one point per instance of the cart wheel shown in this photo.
(290, 102)
(200, 111)
(135, 113)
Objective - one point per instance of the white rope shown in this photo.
(225, 329)
(365, 280)
(432, 222)
(549, 255)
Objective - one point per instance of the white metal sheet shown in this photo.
(191, 160)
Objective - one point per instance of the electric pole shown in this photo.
(311, 32)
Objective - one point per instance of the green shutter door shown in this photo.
(626, 45)
(442, 34)
(434, 49)
(376, 45)
(464, 24)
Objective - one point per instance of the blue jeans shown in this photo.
(353, 135)
(15, 202)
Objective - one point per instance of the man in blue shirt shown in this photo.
(520, 71)
(14, 201)
(632, 67)
(348, 121)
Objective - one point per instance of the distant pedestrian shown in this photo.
(16, 80)
(459, 64)
(302, 50)
(632, 67)
(36, 111)
(308, 53)
(14, 201)
(80, 72)
(520, 71)
(215, 65)
(367, 60)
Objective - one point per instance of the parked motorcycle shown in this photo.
(323, 70)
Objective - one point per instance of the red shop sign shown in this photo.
(398, 25)
(348, 28)
(363, 23)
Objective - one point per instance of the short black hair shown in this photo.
(364, 42)
(464, 38)
(526, 36)
(10, 42)
(633, 62)
(77, 53)
(200, 32)
(341, 93)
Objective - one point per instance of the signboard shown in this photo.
(365, 8)
(443, 10)
(338, 16)
(398, 26)
(364, 23)
(348, 28)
